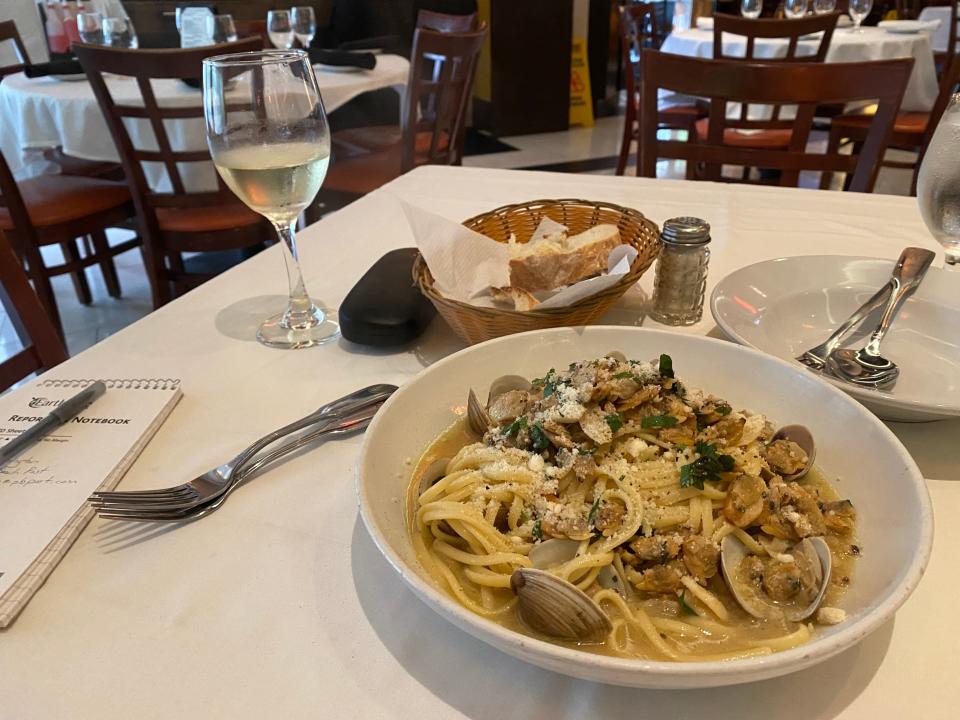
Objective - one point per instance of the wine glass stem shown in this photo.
(300, 311)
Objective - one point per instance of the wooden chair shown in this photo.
(639, 29)
(178, 221)
(802, 84)
(767, 137)
(432, 117)
(441, 22)
(944, 58)
(57, 210)
(9, 33)
(42, 346)
(911, 130)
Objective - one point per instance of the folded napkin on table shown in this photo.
(57, 67)
(374, 43)
(367, 61)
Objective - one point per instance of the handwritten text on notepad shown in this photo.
(29, 471)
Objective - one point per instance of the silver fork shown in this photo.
(348, 426)
(213, 482)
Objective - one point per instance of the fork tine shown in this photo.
(145, 494)
(141, 501)
(147, 508)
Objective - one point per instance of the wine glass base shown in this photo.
(320, 329)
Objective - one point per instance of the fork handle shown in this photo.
(907, 277)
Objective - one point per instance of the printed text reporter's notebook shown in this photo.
(43, 490)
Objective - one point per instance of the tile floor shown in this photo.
(592, 150)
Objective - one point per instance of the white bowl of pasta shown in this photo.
(669, 466)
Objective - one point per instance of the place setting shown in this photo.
(532, 432)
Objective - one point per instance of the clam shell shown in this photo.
(431, 473)
(557, 608)
(616, 355)
(477, 417)
(506, 383)
(801, 435)
(553, 552)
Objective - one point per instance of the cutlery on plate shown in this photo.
(866, 366)
(816, 357)
(356, 423)
(215, 481)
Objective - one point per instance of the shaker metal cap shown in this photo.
(685, 231)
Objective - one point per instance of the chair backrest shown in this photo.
(639, 29)
(770, 29)
(9, 32)
(12, 200)
(442, 67)
(44, 349)
(805, 85)
(441, 22)
(144, 66)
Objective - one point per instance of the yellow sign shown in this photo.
(581, 102)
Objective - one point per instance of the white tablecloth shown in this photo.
(941, 36)
(280, 606)
(846, 46)
(43, 112)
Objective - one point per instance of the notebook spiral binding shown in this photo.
(116, 383)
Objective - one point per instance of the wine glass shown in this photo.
(938, 184)
(751, 8)
(859, 9)
(304, 24)
(269, 139)
(220, 28)
(279, 29)
(118, 32)
(823, 7)
(90, 27)
(795, 8)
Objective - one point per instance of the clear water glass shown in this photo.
(938, 184)
(280, 29)
(118, 32)
(220, 28)
(823, 7)
(269, 139)
(90, 27)
(304, 24)
(859, 9)
(795, 8)
(751, 8)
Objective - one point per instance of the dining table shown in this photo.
(37, 114)
(941, 14)
(846, 45)
(279, 604)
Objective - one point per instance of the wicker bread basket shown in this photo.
(476, 324)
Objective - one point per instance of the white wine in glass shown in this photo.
(938, 184)
(269, 139)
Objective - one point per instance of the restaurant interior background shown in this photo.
(549, 99)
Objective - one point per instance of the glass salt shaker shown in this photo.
(681, 279)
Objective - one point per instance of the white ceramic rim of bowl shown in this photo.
(725, 672)
(880, 397)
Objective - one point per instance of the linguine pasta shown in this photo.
(614, 476)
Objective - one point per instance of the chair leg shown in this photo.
(156, 274)
(628, 135)
(44, 290)
(833, 147)
(102, 249)
(79, 276)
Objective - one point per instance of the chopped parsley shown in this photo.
(666, 366)
(524, 516)
(537, 530)
(624, 375)
(585, 451)
(516, 426)
(538, 437)
(686, 609)
(593, 511)
(615, 421)
(658, 421)
(707, 467)
(723, 409)
(679, 390)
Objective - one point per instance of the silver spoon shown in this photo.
(867, 367)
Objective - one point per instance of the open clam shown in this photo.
(557, 608)
(431, 473)
(807, 564)
(506, 400)
(802, 436)
(553, 552)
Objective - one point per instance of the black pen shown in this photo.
(68, 410)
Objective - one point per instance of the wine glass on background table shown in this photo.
(859, 9)
(118, 32)
(90, 27)
(304, 24)
(795, 8)
(269, 139)
(824, 7)
(280, 29)
(938, 184)
(751, 8)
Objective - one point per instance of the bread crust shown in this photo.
(536, 271)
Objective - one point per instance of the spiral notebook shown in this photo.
(43, 490)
